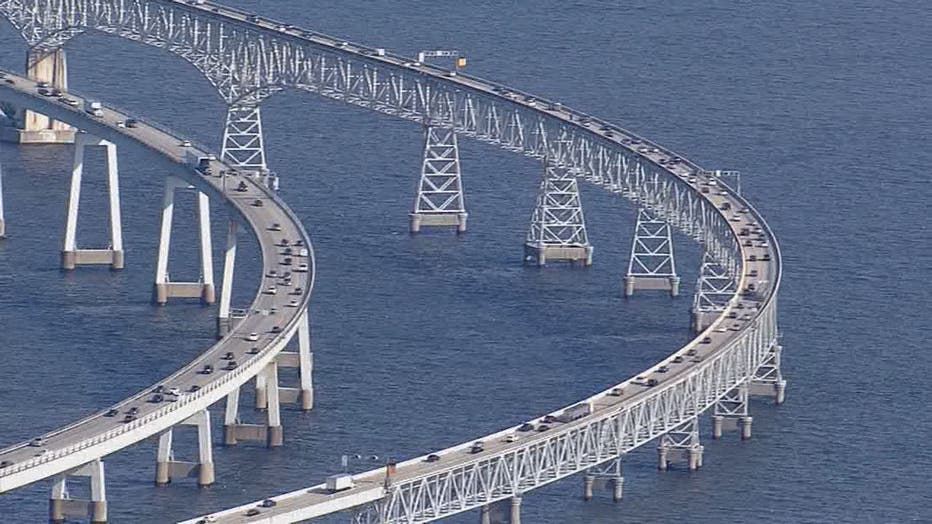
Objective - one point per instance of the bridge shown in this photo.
(735, 353)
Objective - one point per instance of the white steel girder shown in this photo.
(558, 225)
(715, 287)
(440, 200)
(652, 264)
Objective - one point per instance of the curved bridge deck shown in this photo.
(99, 435)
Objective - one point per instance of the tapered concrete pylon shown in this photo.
(164, 287)
(71, 255)
(63, 506)
(167, 467)
(51, 66)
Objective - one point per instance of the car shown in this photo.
(112, 412)
(543, 427)
(297, 291)
(10, 81)
(231, 365)
(287, 261)
(253, 350)
(616, 392)
(652, 382)
(158, 397)
(253, 512)
(677, 359)
(511, 437)
(133, 410)
(45, 92)
(41, 452)
(691, 352)
(477, 447)
(257, 203)
(550, 419)
(275, 227)
(43, 84)
(276, 329)
(287, 251)
(284, 242)
(432, 458)
(6, 464)
(527, 426)
(129, 418)
(663, 369)
(72, 102)
(174, 391)
(268, 503)
(294, 303)
(707, 340)
(132, 122)
(207, 369)
(302, 268)
(37, 442)
(271, 290)
(252, 337)
(121, 124)
(194, 388)
(229, 356)
(185, 143)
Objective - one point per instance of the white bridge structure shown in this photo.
(736, 352)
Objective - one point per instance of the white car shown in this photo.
(174, 391)
(252, 337)
(511, 437)
(294, 303)
(302, 268)
(186, 143)
(271, 290)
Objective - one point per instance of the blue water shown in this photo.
(429, 341)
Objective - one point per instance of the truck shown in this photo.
(574, 412)
(339, 482)
(94, 107)
(199, 161)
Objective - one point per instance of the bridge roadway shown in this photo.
(764, 274)
(99, 435)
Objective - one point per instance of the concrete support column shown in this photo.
(275, 435)
(780, 387)
(2, 219)
(485, 514)
(618, 483)
(516, 509)
(305, 357)
(718, 421)
(112, 255)
(46, 65)
(62, 506)
(167, 467)
(588, 484)
(694, 457)
(224, 322)
(164, 287)
(662, 458)
(745, 423)
(231, 418)
(262, 391)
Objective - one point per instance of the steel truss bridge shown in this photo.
(248, 58)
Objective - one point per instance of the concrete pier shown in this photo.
(516, 509)
(417, 220)
(166, 467)
(663, 458)
(618, 483)
(717, 426)
(270, 432)
(539, 254)
(44, 65)
(588, 484)
(71, 255)
(224, 318)
(633, 283)
(485, 515)
(164, 288)
(63, 507)
(745, 423)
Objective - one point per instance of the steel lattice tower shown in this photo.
(558, 227)
(714, 289)
(243, 143)
(440, 199)
(652, 265)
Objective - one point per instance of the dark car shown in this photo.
(477, 448)
(527, 426)
(229, 356)
(242, 187)
(257, 203)
(132, 122)
(6, 464)
(231, 365)
(112, 412)
(268, 503)
(253, 512)
(129, 418)
(207, 369)
(543, 427)
(652, 382)
(433, 458)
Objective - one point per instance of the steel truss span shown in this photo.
(249, 58)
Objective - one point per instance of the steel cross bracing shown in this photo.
(652, 248)
(558, 218)
(440, 189)
(573, 450)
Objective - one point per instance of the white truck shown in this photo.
(94, 107)
(198, 161)
(339, 482)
